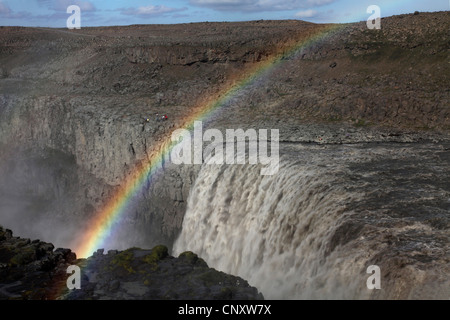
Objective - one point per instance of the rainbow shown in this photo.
(105, 222)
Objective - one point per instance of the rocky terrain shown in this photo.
(80, 97)
(74, 104)
(33, 270)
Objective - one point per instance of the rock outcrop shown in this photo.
(33, 270)
(74, 107)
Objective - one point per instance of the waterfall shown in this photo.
(271, 230)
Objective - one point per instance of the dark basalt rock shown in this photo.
(32, 270)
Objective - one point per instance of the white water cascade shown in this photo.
(272, 231)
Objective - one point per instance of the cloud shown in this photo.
(4, 9)
(306, 14)
(46, 3)
(150, 10)
(62, 5)
(258, 5)
(316, 3)
(7, 13)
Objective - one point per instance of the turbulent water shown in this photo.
(287, 234)
(309, 231)
(268, 229)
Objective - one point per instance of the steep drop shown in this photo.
(269, 229)
(312, 230)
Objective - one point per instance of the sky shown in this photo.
(53, 13)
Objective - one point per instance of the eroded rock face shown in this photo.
(78, 108)
(87, 95)
(58, 198)
(33, 270)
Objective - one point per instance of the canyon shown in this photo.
(363, 120)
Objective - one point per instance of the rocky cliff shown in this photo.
(74, 106)
(34, 270)
(85, 95)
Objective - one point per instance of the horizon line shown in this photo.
(225, 21)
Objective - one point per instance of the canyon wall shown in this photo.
(74, 105)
